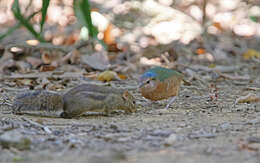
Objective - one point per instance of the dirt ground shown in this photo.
(210, 121)
(196, 128)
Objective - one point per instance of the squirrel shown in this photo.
(75, 102)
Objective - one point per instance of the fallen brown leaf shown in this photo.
(25, 82)
(218, 26)
(109, 38)
(122, 76)
(45, 68)
(200, 51)
(250, 98)
(97, 60)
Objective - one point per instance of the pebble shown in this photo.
(170, 140)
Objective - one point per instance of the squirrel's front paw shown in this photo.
(65, 115)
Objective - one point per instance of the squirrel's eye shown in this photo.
(134, 102)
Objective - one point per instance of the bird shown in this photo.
(160, 83)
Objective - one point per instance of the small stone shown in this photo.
(170, 140)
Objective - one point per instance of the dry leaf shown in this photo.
(108, 36)
(122, 76)
(98, 61)
(250, 98)
(200, 51)
(24, 82)
(107, 76)
(109, 39)
(55, 87)
(218, 26)
(250, 53)
(45, 68)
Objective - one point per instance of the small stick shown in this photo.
(232, 77)
(252, 88)
(45, 128)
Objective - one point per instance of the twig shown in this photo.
(232, 77)
(253, 121)
(204, 18)
(253, 88)
(45, 128)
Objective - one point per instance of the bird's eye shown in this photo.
(148, 81)
(134, 102)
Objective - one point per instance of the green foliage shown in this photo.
(45, 5)
(253, 18)
(18, 25)
(81, 9)
(83, 13)
(25, 22)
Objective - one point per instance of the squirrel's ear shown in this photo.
(125, 95)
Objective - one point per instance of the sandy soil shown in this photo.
(197, 128)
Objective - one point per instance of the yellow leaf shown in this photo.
(107, 76)
(251, 53)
